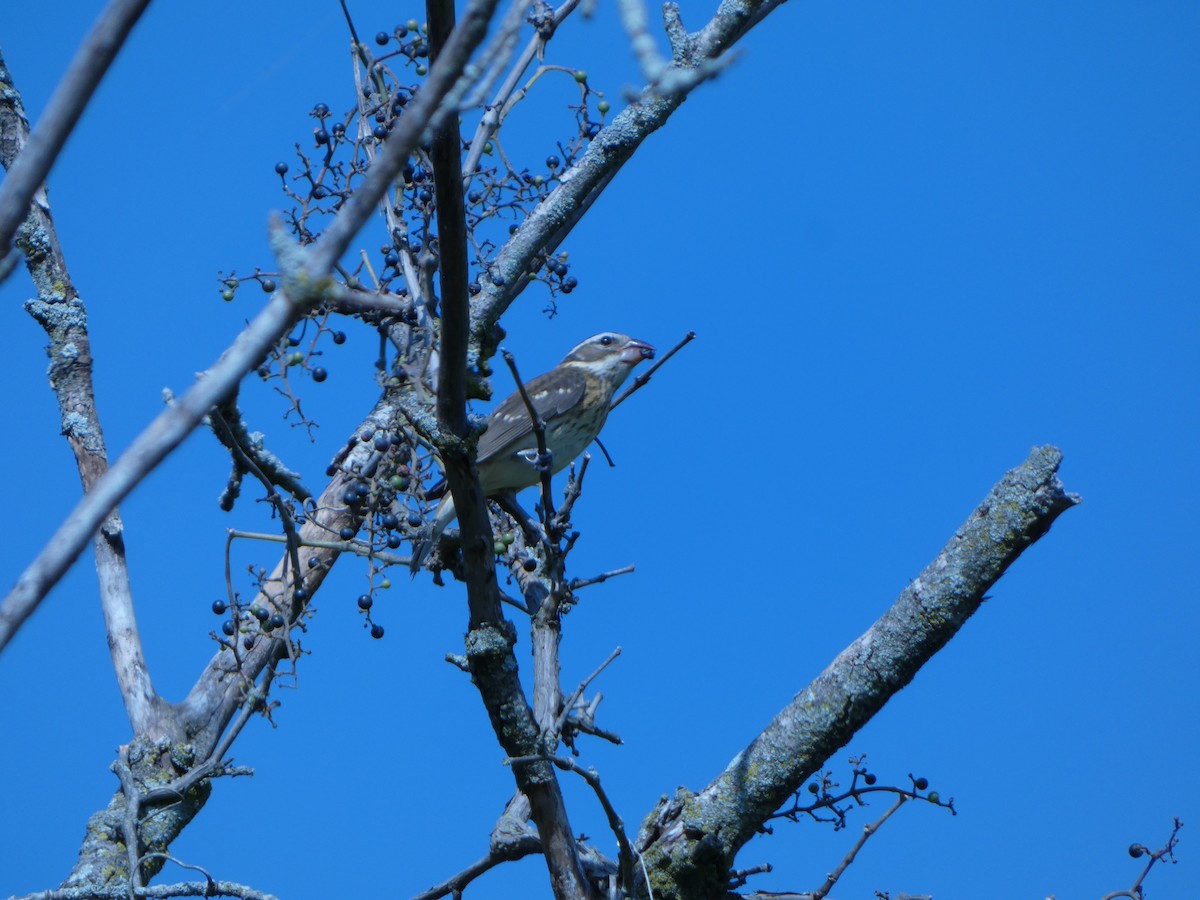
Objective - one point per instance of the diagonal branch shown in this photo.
(304, 288)
(82, 77)
(550, 223)
(701, 844)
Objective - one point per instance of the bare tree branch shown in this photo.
(60, 311)
(686, 852)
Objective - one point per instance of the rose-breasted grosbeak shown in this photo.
(573, 400)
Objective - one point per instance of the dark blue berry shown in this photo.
(219, 607)
(365, 601)
(389, 521)
(319, 192)
(414, 520)
(346, 533)
(268, 285)
(339, 337)
(228, 627)
(377, 631)
(278, 621)
(380, 132)
(319, 374)
(382, 38)
(497, 279)
(392, 259)
(321, 136)
(569, 284)
(301, 594)
(281, 168)
(552, 162)
(320, 110)
(393, 541)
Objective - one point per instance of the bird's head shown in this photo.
(609, 355)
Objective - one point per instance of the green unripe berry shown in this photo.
(604, 106)
(580, 76)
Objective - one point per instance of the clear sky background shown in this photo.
(915, 240)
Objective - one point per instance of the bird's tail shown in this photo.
(423, 545)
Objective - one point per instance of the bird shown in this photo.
(572, 399)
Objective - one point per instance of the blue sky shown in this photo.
(914, 239)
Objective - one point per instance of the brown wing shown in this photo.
(509, 428)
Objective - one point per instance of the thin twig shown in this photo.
(640, 380)
(545, 460)
(616, 824)
(1167, 851)
(867, 831)
(577, 583)
(575, 695)
(491, 118)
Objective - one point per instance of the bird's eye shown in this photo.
(606, 340)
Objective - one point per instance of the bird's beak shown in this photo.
(636, 351)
